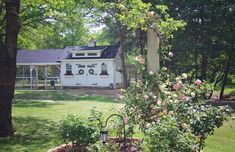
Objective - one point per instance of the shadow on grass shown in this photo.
(32, 134)
(33, 103)
(61, 95)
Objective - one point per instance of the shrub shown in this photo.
(172, 112)
(74, 129)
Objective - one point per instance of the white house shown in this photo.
(79, 66)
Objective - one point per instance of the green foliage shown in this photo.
(171, 112)
(73, 129)
(51, 24)
(166, 136)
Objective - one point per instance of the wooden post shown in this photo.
(152, 52)
(31, 76)
(45, 76)
(23, 75)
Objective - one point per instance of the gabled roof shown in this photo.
(40, 56)
(53, 56)
(85, 48)
(109, 52)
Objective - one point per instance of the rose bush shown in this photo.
(171, 112)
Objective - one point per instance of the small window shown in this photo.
(80, 54)
(92, 54)
(104, 69)
(68, 69)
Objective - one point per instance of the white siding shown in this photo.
(87, 79)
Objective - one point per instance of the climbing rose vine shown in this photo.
(172, 113)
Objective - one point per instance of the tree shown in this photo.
(8, 49)
(204, 49)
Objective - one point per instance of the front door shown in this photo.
(86, 74)
(92, 74)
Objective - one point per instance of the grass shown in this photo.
(36, 115)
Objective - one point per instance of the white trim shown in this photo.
(86, 60)
(38, 64)
(84, 51)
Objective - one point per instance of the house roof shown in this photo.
(53, 56)
(109, 52)
(50, 56)
(85, 48)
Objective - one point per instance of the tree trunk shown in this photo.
(225, 78)
(8, 66)
(123, 56)
(204, 66)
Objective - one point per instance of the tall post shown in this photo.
(36, 68)
(31, 76)
(45, 76)
(153, 50)
(23, 75)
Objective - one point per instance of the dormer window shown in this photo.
(92, 54)
(80, 54)
(68, 69)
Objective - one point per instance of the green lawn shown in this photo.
(36, 115)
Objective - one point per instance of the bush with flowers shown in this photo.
(172, 113)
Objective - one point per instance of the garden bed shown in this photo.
(131, 145)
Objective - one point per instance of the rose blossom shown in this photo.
(146, 97)
(184, 125)
(159, 102)
(177, 85)
(151, 72)
(184, 76)
(148, 125)
(198, 82)
(126, 120)
(193, 94)
(170, 112)
(183, 97)
(164, 111)
(151, 14)
(154, 97)
(140, 59)
(170, 54)
(154, 111)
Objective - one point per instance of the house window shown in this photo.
(104, 69)
(80, 54)
(68, 69)
(92, 54)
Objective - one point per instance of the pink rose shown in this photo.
(193, 94)
(126, 120)
(177, 85)
(198, 82)
(159, 102)
(154, 111)
(146, 97)
(183, 97)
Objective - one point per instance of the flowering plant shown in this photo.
(172, 113)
